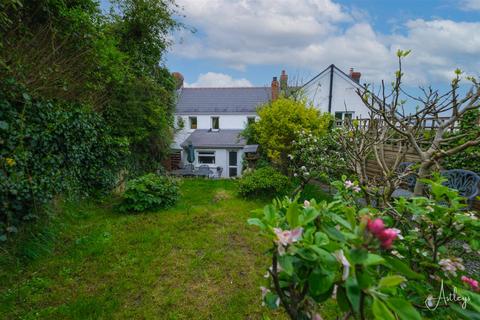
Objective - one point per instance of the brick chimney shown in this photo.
(178, 80)
(283, 81)
(275, 89)
(355, 75)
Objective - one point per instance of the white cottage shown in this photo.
(211, 119)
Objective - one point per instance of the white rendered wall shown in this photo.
(344, 96)
(238, 122)
(221, 160)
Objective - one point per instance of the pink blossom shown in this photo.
(375, 226)
(451, 266)
(348, 184)
(356, 189)
(306, 203)
(471, 282)
(286, 237)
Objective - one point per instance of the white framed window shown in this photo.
(193, 122)
(215, 123)
(343, 115)
(206, 157)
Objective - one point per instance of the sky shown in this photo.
(247, 42)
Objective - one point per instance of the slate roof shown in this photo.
(221, 100)
(224, 138)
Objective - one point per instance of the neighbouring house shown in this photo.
(334, 91)
(211, 119)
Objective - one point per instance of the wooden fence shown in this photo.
(373, 169)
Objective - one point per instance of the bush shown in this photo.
(368, 269)
(263, 182)
(47, 148)
(149, 192)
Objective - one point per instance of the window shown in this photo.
(215, 123)
(250, 120)
(344, 115)
(193, 122)
(206, 157)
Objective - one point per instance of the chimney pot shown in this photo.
(283, 81)
(178, 80)
(275, 87)
(355, 75)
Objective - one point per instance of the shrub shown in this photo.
(334, 250)
(149, 192)
(265, 181)
(279, 125)
(47, 148)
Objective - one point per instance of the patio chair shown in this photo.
(188, 170)
(465, 181)
(219, 172)
(203, 171)
(410, 181)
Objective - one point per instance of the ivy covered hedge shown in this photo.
(49, 148)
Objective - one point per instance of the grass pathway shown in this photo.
(197, 260)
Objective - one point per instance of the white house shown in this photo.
(211, 119)
(334, 91)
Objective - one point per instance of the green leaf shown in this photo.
(3, 125)
(256, 222)
(271, 300)
(321, 239)
(464, 313)
(391, 281)
(401, 267)
(373, 259)
(342, 299)
(353, 293)
(358, 256)
(403, 309)
(380, 311)
(311, 215)
(286, 262)
(320, 281)
(334, 234)
(293, 212)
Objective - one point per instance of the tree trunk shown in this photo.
(423, 172)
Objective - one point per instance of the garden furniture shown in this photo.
(465, 181)
(203, 171)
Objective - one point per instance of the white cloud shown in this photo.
(212, 79)
(470, 4)
(312, 34)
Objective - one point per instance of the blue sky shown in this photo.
(246, 42)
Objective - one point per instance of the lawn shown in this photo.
(197, 260)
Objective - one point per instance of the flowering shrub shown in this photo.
(391, 264)
(315, 156)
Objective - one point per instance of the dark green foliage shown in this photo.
(49, 148)
(263, 182)
(150, 192)
(469, 158)
(83, 97)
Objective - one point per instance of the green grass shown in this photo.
(197, 260)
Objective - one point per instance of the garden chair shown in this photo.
(203, 171)
(219, 172)
(465, 181)
(409, 181)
